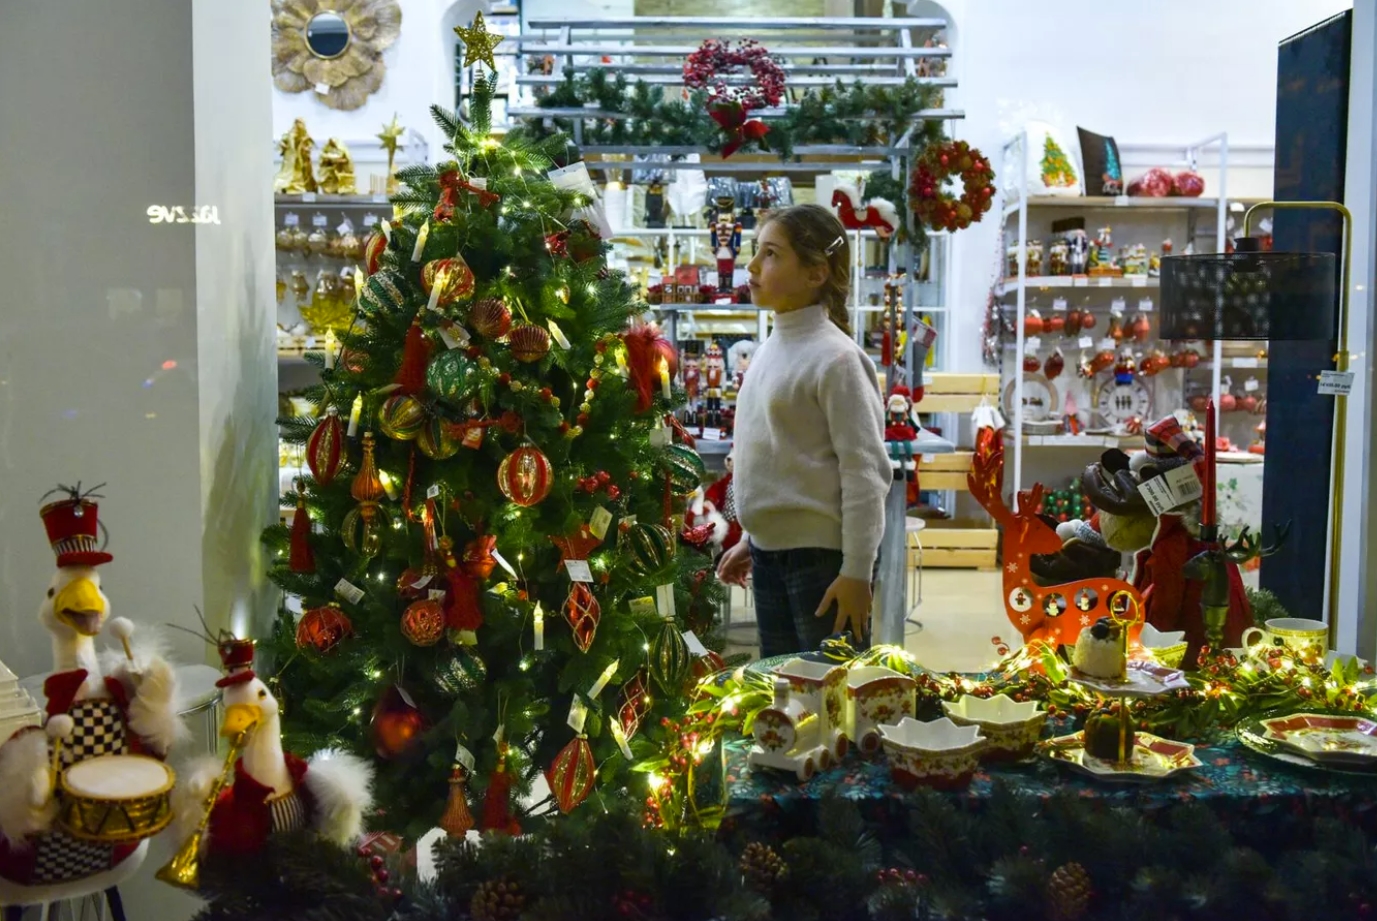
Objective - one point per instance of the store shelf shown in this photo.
(1010, 285)
(316, 198)
(1098, 442)
(1104, 202)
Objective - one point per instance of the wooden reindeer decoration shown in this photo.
(1055, 614)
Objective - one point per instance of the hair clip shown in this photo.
(835, 245)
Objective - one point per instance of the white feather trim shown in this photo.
(852, 193)
(194, 780)
(886, 211)
(719, 522)
(154, 710)
(26, 806)
(342, 786)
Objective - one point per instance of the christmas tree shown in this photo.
(488, 547)
(1056, 169)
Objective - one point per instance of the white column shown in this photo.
(1357, 587)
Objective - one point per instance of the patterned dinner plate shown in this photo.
(1253, 734)
(1329, 738)
(1154, 759)
(1145, 679)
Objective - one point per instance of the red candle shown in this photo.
(1207, 503)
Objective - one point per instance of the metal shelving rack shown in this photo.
(883, 51)
(1016, 150)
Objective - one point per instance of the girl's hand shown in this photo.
(735, 564)
(852, 597)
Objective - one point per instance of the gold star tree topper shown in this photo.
(478, 42)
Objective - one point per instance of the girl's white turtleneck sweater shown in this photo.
(811, 468)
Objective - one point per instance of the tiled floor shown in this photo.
(962, 611)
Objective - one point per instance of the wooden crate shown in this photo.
(958, 393)
(944, 471)
(958, 545)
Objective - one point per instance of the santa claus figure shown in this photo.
(725, 239)
(900, 432)
(719, 508)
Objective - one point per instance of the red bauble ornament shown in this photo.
(397, 725)
(529, 343)
(1087, 320)
(1141, 328)
(1032, 324)
(423, 622)
(1054, 365)
(325, 447)
(1031, 364)
(572, 774)
(373, 252)
(1055, 323)
(458, 279)
(490, 317)
(406, 583)
(525, 476)
(583, 612)
(322, 628)
(1227, 402)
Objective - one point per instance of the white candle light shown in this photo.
(664, 378)
(605, 677)
(539, 627)
(421, 238)
(329, 350)
(354, 413)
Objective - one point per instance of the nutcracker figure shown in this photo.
(692, 381)
(655, 204)
(725, 238)
(714, 372)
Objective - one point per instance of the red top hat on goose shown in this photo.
(73, 525)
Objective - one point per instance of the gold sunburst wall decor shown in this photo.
(333, 48)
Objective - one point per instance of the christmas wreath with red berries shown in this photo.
(932, 205)
(708, 67)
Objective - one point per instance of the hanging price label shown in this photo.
(291, 220)
(348, 591)
(1251, 384)
(370, 220)
(664, 600)
(1085, 342)
(1032, 344)
(319, 220)
(600, 521)
(1172, 489)
(1117, 305)
(642, 607)
(421, 582)
(434, 491)
(436, 594)
(578, 570)
(695, 645)
(1059, 303)
(502, 561)
(1145, 304)
(1336, 383)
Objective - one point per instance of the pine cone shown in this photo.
(1068, 893)
(497, 900)
(762, 867)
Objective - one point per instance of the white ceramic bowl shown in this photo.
(1167, 647)
(937, 754)
(1012, 727)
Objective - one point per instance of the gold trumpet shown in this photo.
(184, 869)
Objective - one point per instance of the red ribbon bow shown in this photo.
(733, 118)
(452, 182)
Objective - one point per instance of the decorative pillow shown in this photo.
(1100, 156)
(1051, 163)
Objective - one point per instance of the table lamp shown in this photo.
(1252, 294)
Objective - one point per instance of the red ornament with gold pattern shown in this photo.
(583, 612)
(322, 628)
(635, 704)
(373, 251)
(529, 343)
(423, 622)
(572, 773)
(525, 476)
(457, 278)
(325, 447)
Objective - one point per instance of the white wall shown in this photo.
(1168, 72)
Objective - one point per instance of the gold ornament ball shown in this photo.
(438, 439)
(423, 622)
(458, 279)
(402, 417)
(529, 343)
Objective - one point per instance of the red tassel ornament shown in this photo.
(303, 559)
(642, 361)
(497, 810)
(463, 610)
(411, 376)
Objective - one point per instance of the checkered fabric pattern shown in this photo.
(729, 512)
(1165, 439)
(99, 730)
(288, 812)
(60, 858)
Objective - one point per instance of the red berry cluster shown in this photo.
(899, 877)
(632, 904)
(381, 875)
(602, 480)
(715, 58)
(933, 206)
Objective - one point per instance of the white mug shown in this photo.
(1308, 637)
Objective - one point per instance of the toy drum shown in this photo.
(115, 799)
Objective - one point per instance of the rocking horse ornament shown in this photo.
(878, 214)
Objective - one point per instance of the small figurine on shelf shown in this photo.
(1135, 261)
(1102, 260)
(336, 169)
(655, 203)
(1155, 262)
(1058, 258)
(1124, 368)
(900, 432)
(1078, 245)
(714, 371)
(725, 239)
(655, 294)
(295, 175)
(692, 380)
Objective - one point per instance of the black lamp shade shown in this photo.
(1249, 295)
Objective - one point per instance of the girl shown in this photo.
(811, 470)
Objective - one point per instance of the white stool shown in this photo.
(101, 888)
(913, 532)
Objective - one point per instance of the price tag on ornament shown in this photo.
(643, 607)
(308, 197)
(421, 582)
(1032, 344)
(434, 491)
(370, 220)
(454, 336)
(1117, 306)
(1138, 281)
(291, 220)
(319, 220)
(464, 758)
(579, 571)
(405, 696)
(436, 594)
(1251, 384)
(1246, 363)
(473, 437)
(1059, 304)
(1336, 383)
(1080, 281)
(664, 600)
(695, 645)
(1085, 342)
(599, 522)
(1145, 305)
(1106, 282)
(323, 89)
(578, 713)
(1171, 490)
(348, 591)
(502, 561)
